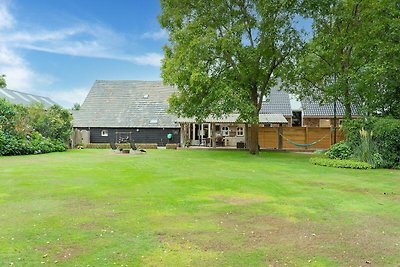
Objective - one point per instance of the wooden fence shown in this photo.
(277, 138)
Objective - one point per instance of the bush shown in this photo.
(382, 148)
(337, 163)
(340, 150)
(171, 146)
(30, 144)
(97, 146)
(33, 130)
(387, 140)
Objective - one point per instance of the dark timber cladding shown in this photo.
(117, 110)
(138, 135)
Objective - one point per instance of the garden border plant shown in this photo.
(33, 130)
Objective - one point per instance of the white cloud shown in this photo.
(80, 39)
(67, 98)
(159, 35)
(151, 59)
(6, 20)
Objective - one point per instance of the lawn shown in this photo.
(195, 208)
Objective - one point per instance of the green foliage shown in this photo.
(387, 139)
(338, 163)
(31, 144)
(2, 81)
(76, 106)
(382, 148)
(340, 150)
(353, 55)
(225, 56)
(32, 130)
(366, 151)
(7, 116)
(55, 123)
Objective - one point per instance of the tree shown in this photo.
(352, 56)
(76, 106)
(379, 76)
(54, 123)
(224, 56)
(2, 81)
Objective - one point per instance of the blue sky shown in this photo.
(58, 48)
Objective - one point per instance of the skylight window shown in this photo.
(146, 96)
(154, 121)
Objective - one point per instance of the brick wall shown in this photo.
(315, 122)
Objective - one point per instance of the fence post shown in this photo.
(280, 133)
(306, 136)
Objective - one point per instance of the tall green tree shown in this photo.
(224, 56)
(353, 55)
(2, 81)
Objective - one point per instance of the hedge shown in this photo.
(171, 146)
(147, 146)
(337, 163)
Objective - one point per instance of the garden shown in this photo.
(31, 129)
(96, 207)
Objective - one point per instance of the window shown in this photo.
(104, 132)
(225, 131)
(239, 131)
(296, 118)
(324, 123)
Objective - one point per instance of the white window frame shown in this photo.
(104, 132)
(225, 130)
(238, 130)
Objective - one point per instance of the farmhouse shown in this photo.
(25, 99)
(120, 111)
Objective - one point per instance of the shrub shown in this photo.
(337, 163)
(387, 139)
(383, 146)
(366, 151)
(340, 150)
(97, 146)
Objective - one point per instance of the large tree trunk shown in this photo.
(347, 103)
(253, 138)
(253, 135)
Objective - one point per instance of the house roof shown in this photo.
(278, 102)
(232, 118)
(17, 97)
(314, 109)
(121, 104)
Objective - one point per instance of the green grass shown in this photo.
(195, 208)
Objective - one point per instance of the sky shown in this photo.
(58, 48)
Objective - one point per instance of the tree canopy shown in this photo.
(2, 81)
(224, 56)
(353, 55)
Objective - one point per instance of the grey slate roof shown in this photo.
(278, 102)
(232, 118)
(130, 104)
(16, 97)
(314, 109)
